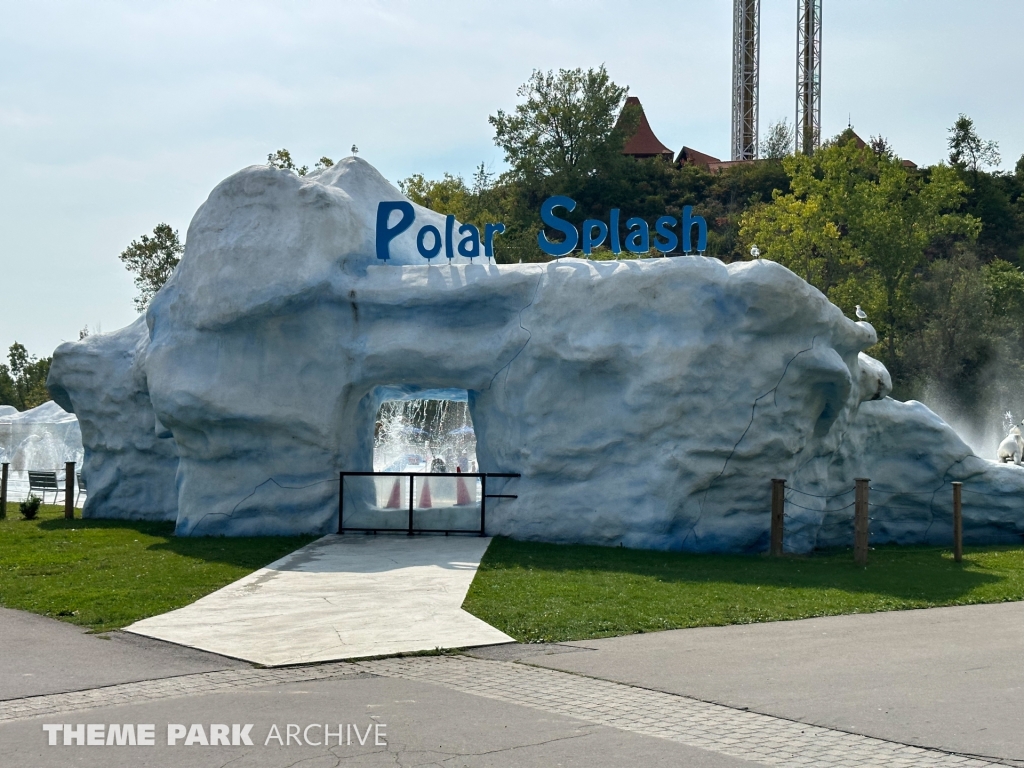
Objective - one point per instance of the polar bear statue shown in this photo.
(1012, 447)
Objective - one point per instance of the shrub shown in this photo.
(30, 507)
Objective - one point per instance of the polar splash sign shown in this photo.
(594, 232)
(429, 240)
(669, 234)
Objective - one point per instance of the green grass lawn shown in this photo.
(550, 593)
(105, 574)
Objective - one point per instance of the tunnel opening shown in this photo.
(425, 432)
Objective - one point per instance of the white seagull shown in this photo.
(355, 150)
(755, 252)
(861, 314)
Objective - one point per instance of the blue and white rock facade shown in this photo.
(647, 403)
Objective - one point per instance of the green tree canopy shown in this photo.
(152, 260)
(477, 204)
(968, 150)
(857, 224)
(23, 379)
(282, 159)
(779, 142)
(567, 125)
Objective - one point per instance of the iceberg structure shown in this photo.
(646, 403)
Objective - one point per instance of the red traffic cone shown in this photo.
(395, 499)
(461, 491)
(425, 495)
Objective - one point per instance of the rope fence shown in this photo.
(782, 497)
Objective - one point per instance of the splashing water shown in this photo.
(424, 436)
(1008, 422)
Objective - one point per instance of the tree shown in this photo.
(152, 260)
(857, 225)
(450, 195)
(23, 379)
(567, 126)
(779, 141)
(967, 150)
(952, 343)
(282, 159)
(881, 146)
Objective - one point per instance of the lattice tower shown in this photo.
(808, 76)
(746, 49)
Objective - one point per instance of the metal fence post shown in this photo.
(341, 502)
(69, 490)
(958, 524)
(412, 487)
(778, 516)
(483, 504)
(861, 528)
(3, 489)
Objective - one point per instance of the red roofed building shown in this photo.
(643, 143)
(709, 163)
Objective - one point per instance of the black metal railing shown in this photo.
(394, 497)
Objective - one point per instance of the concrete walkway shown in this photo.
(945, 678)
(920, 689)
(341, 597)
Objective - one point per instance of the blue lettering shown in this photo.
(490, 230)
(613, 230)
(689, 221)
(386, 234)
(661, 228)
(469, 246)
(449, 236)
(638, 238)
(559, 225)
(590, 239)
(428, 253)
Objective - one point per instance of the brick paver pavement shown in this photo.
(738, 733)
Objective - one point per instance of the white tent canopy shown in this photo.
(40, 439)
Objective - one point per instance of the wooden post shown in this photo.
(69, 490)
(958, 524)
(778, 516)
(860, 522)
(3, 489)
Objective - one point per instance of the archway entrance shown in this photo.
(426, 476)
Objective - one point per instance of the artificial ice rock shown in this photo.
(647, 402)
(129, 463)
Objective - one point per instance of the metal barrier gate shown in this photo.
(395, 501)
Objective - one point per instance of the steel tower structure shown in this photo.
(808, 76)
(746, 50)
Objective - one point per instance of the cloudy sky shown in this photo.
(115, 116)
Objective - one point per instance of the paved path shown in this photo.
(951, 678)
(341, 597)
(704, 733)
(40, 655)
(918, 689)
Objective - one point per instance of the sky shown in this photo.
(116, 116)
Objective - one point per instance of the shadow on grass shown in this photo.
(146, 527)
(248, 552)
(905, 573)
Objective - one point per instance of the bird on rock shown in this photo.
(861, 314)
